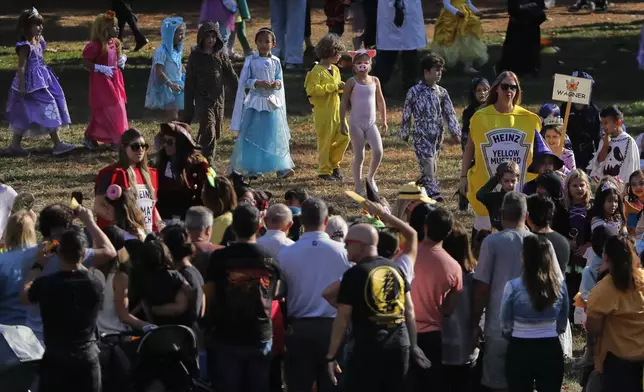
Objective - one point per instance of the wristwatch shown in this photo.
(37, 265)
(330, 359)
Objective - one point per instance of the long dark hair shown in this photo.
(607, 188)
(474, 84)
(623, 263)
(221, 198)
(155, 255)
(28, 18)
(184, 149)
(458, 246)
(540, 272)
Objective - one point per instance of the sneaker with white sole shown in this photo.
(285, 173)
(63, 148)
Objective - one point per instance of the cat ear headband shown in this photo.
(369, 52)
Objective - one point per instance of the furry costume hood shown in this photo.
(206, 29)
(169, 27)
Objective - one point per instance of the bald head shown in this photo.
(361, 242)
(278, 217)
(364, 233)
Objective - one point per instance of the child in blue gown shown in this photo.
(259, 116)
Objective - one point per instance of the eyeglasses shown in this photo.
(506, 87)
(168, 142)
(139, 146)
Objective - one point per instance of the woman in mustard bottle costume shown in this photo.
(457, 36)
(323, 86)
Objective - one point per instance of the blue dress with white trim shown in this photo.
(259, 117)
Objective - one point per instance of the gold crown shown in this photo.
(552, 120)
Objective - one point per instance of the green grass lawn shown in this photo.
(603, 45)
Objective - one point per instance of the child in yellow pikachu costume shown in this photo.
(323, 86)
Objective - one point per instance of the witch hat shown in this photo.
(541, 150)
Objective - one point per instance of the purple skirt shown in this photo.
(214, 10)
(39, 112)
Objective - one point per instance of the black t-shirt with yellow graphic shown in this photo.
(375, 289)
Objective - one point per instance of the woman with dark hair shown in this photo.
(132, 174)
(164, 291)
(522, 45)
(501, 130)
(176, 238)
(534, 312)
(615, 315)
(417, 218)
(183, 171)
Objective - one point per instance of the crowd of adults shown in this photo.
(391, 301)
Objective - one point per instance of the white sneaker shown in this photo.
(63, 148)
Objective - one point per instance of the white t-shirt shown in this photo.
(7, 195)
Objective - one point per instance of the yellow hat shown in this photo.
(413, 191)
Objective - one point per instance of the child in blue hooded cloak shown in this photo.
(167, 76)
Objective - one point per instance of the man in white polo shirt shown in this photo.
(308, 267)
(278, 221)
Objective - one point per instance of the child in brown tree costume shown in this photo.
(208, 69)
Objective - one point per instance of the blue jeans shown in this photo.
(287, 21)
(225, 33)
(238, 369)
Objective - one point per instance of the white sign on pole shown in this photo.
(569, 87)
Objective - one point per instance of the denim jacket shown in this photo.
(519, 319)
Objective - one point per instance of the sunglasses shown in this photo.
(139, 146)
(506, 87)
(168, 142)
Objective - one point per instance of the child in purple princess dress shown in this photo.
(36, 104)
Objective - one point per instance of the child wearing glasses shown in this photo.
(132, 174)
(430, 107)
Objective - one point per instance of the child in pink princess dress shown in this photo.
(102, 57)
(36, 104)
